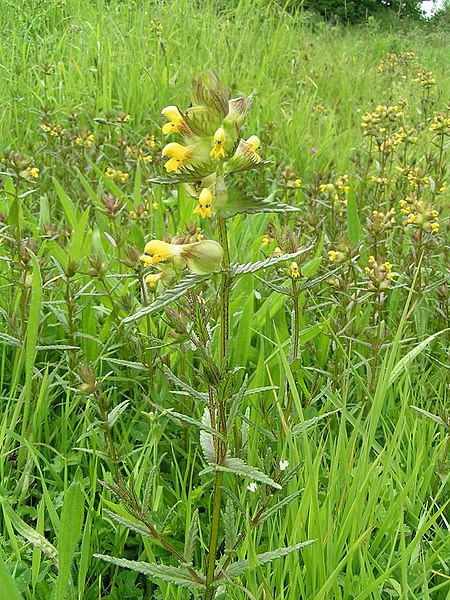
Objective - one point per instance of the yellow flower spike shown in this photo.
(293, 271)
(178, 156)
(203, 207)
(152, 279)
(176, 122)
(371, 260)
(218, 150)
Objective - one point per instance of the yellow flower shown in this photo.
(332, 255)
(254, 144)
(178, 156)
(202, 257)
(297, 183)
(33, 172)
(116, 175)
(157, 251)
(203, 207)
(176, 122)
(152, 279)
(435, 227)
(150, 140)
(218, 150)
(293, 271)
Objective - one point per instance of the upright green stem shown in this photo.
(295, 339)
(296, 324)
(224, 293)
(221, 424)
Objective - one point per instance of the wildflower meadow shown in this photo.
(224, 265)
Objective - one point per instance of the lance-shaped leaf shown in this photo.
(430, 416)
(230, 526)
(242, 566)
(239, 467)
(176, 416)
(187, 389)
(72, 518)
(239, 202)
(191, 539)
(278, 506)
(29, 533)
(264, 264)
(301, 427)
(206, 438)
(170, 295)
(176, 575)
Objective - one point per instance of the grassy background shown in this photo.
(374, 472)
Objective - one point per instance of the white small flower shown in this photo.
(252, 487)
(284, 465)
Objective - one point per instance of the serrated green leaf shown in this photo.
(242, 566)
(131, 525)
(206, 439)
(278, 506)
(239, 467)
(311, 422)
(264, 264)
(176, 416)
(176, 575)
(117, 411)
(191, 538)
(236, 403)
(184, 386)
(170, 295)
(239, 203)
(229, 525)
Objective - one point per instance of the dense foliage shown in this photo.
(360, 10)
(337, 376)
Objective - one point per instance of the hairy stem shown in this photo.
(219, 413)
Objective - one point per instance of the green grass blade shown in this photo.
(71, 524)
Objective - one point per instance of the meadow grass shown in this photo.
(359, 410)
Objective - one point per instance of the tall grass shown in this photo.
(361, 413)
